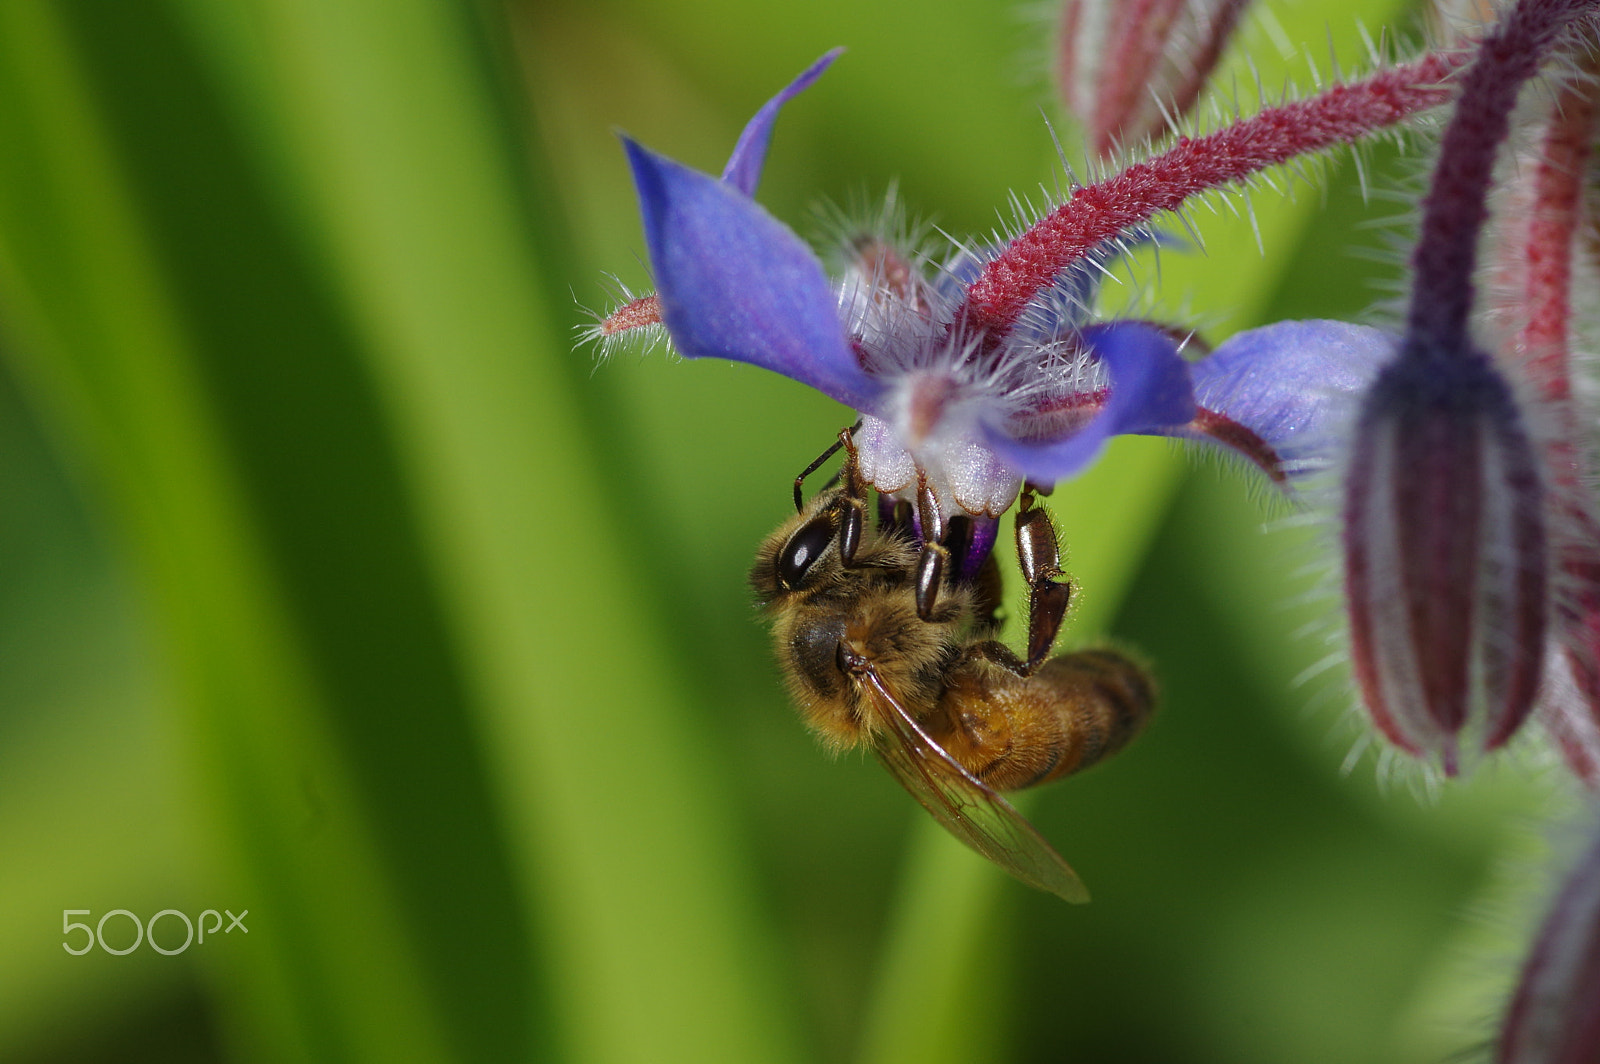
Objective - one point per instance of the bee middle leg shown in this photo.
(934, 557)
(945, 558)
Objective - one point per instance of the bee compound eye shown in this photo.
(804, 548)
(819, 657)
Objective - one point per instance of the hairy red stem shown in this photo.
(1275, 135)
(635, 314)
(1555, 221)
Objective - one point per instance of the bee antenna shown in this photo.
(799, 498)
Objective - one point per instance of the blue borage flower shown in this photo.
(954, 406)
(945, 406)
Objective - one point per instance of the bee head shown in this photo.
(789, 557)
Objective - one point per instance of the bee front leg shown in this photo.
(852, 502)
(1049, 593)
(852, 516)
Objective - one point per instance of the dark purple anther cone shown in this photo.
(985, 531)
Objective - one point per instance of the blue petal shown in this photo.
(736, 283)
(1150, 393)
(1293, 383)
(743, 171)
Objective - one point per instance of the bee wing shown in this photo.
(967, 807)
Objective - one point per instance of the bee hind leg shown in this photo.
(997, 652)
(1049, 593)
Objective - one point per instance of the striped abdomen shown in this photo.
(1013, 731)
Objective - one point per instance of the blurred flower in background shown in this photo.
(1132, 72)
(1554, 1016)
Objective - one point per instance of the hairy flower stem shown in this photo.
(1556, 219)
(634, 314)
(1101, 211)
(1455, 208)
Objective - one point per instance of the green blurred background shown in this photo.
(335, 586)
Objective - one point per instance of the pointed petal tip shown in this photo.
(743, 171)
(736, 283)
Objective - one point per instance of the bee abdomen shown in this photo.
(1074, 711)
(1115, 698)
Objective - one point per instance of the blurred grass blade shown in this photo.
(395, 148)
(270, 268)
(170, 326)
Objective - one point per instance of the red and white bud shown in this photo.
(1128, 67)
(1449, 500)
(1445, 558)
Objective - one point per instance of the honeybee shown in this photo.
(876, 650)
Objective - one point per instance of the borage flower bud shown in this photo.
(1445, 557)
(1445, 507)
(1128, 69)
(1554, 1017)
